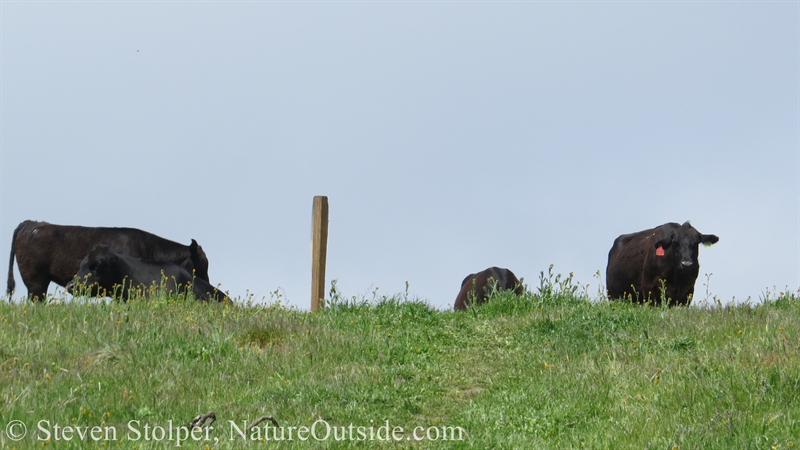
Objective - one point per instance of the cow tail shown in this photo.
(10, 284)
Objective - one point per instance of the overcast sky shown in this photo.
(448, 136)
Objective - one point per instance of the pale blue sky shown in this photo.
(449, 136)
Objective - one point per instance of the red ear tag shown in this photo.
(660, 251)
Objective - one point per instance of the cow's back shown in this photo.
(58, 249)
(476, 284)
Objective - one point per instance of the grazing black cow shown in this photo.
(638, 263)
(107, 273)
(47, 252)
(478, 286)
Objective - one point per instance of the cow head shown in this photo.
(199, 261)
(679, 244)
(100, 271)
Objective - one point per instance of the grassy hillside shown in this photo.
(549, 369)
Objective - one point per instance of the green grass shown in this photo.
(550, 369)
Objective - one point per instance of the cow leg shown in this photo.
(36, 277)
(686, 299)
(37, 290)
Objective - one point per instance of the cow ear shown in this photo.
(193, 246)
(708, 239)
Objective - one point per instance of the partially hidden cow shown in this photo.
(46, 252)
(477, 287)
(106, 273)
(639, 264)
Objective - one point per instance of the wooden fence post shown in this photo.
(319, 250)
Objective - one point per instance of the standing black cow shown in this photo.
(478, 286)
(47, 252)
(104, 272)
(638, 263)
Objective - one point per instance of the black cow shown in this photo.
(478, 286)
(107, 273)
(47, 252)
(638, 263)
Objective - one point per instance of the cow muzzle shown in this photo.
(687, 263)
